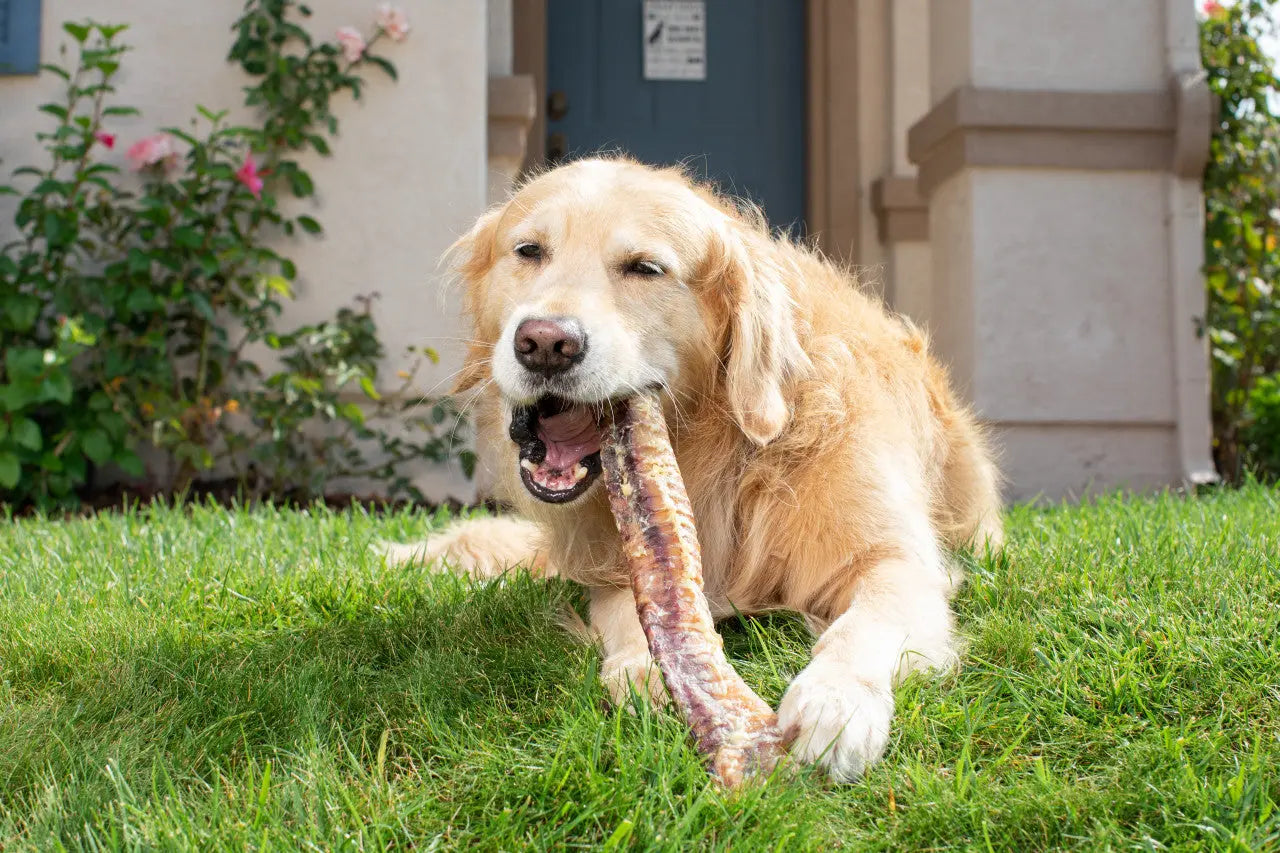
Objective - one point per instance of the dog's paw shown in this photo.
(620, 673)
(836, 720)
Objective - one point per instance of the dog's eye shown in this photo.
(644, 268)
(531, 251)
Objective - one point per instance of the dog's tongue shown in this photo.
(569, 436)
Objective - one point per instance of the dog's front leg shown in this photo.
(627, 661)
(839, 708)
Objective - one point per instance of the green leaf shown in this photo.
(130, 463)
(22, 311)
(279, 284)
(183, 135)
(301, 184)
(96, 445)
(384, 65)
(120, 111)
(53, 229)
(366, 384)
(187, 237)
(57, 387)
(27, 434)
(10, 470)
(201, 302)
(50, 461)
(23, 362)
(56, 110)
(309, 225)
(79, 32)
(210, 115)
(208, 265)
(55, 69)
(140, 301)
(14, 397)
(351, 412)
(50, 186)
(139, 261)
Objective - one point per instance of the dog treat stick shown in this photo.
(731, 725)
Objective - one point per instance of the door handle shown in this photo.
(557, 105)
(557, 147)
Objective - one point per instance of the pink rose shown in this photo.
(351, 42)
(1213, 9)
(392, 21)
(107, 139)
(249, 175)
(156, 149)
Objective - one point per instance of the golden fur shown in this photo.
(828, 462)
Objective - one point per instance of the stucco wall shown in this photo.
(1088, 339)
(1083, 45)
(1064, 294)
(407, 175)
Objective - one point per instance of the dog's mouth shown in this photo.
(559, 443)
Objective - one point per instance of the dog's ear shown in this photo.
(763, 349)
(471, 257)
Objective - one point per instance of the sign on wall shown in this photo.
(675, 39)
(19, 36)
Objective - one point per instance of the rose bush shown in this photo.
(134, 321)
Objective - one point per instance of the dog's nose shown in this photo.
(550, 345)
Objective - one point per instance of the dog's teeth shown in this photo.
(527, 464)
(579, 473)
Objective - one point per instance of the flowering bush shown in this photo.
(1242, 237)
(130, 318)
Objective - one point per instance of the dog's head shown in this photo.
(603, 278)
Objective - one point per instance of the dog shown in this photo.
(830, 467)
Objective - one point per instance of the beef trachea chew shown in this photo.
(732, 726)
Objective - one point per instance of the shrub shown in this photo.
(1261, 434)
(1242, 237)
(135, 318)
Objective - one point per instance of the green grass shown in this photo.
(202, 678)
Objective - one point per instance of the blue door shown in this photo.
(742, 126)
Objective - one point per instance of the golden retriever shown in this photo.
(828, 463)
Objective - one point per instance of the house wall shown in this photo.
(408, 172)
(1058, 282)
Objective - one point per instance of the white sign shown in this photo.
(675, 40)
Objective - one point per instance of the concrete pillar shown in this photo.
(512, 102)
(1061, 161)
(901, 216)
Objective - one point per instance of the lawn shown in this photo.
(205, 678)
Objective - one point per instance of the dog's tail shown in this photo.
(480, 548)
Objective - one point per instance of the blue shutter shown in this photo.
(19, 36)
